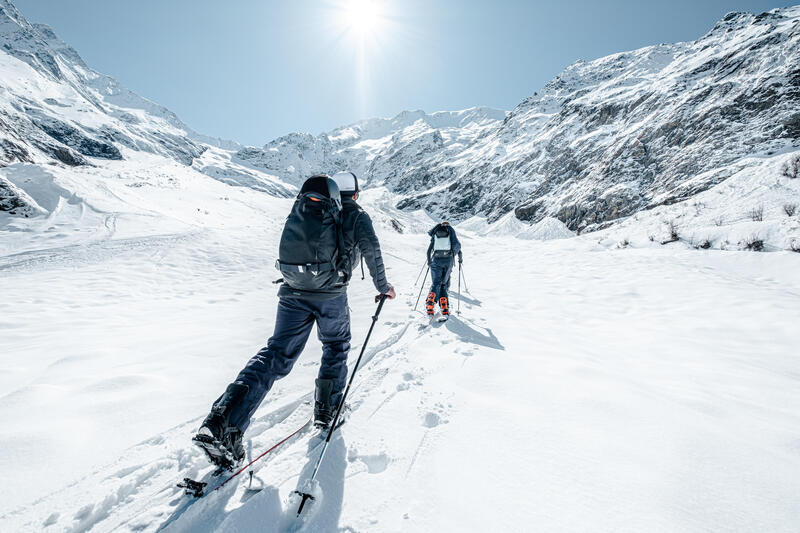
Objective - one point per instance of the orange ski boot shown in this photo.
(429, 303)
(443, 305)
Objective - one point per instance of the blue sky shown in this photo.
(251, 70)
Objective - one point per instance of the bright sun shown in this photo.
(362, 17)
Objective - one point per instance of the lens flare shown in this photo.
(362, 17)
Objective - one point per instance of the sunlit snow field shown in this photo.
(586, 385)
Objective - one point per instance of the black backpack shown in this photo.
(311, 255)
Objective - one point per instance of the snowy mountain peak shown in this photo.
(10, 14)
(737, 20)
(380, 127)
(55, 108)
(35, 44)
(365, 146)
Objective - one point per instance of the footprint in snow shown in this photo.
(431, 420)
(375, 463)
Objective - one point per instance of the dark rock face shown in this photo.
(11, 202)
(66, 156)
(11, 152)
(75, 139)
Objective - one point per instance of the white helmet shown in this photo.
(347, 182)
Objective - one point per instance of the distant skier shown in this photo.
(441, 255)
(323, 238)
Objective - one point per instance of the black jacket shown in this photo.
(359, 240)
(455, 244)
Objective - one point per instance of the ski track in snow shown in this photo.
(78, 255)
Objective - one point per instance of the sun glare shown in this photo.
(363, 31)
(362, 17)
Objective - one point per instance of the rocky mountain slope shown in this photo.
(377, 149)
(630, 131)
(601, 141)
(54, 109)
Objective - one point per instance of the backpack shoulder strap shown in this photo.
(342, 258)
(355, 224)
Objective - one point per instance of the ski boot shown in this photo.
(324, 410)
(221, 441)
(430, 302)
(443, 306)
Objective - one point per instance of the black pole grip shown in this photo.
(381, 299)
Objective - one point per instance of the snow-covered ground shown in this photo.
(584, 386)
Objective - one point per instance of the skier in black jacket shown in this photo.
(442, 251)
(221, 432)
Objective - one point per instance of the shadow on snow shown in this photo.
(469, 334)
(466, 299)
(264, 511)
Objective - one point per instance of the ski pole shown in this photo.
(420, 272)
(421, 288)
(460, 296)
(306, 496)
(465, 280)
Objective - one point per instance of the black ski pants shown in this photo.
(293, 325)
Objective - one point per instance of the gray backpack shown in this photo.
(441, 242)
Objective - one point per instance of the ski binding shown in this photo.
(192, 487)
(215, 451)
